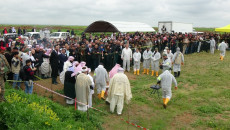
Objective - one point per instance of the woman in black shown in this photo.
(69, 86)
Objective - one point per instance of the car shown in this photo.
(59, 35)
(29, 35)
(12, 36)
(1, 38)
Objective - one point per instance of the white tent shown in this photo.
(118, 26)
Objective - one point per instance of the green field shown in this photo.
(77, 29)
(201, 101)
(53, 28)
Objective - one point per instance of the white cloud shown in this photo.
(205, 13)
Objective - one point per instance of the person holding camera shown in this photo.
(29, 74)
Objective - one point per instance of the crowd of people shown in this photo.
(73, 59)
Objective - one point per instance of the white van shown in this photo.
(59, 35)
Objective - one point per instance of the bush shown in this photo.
(22, 111)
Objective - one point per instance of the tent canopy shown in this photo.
(117, 26)
(223, 29)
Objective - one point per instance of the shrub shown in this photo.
(22, 111)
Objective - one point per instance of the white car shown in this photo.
(1, 38)
(35, 35)
(12, 36)
(59, 35)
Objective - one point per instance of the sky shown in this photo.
(202, 13)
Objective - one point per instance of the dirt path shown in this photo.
(57, 88)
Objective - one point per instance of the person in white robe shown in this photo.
(91, 90)
(68, 63)
(45, 66)
(119, 91)
(82, 88)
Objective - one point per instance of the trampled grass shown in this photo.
(201, 101)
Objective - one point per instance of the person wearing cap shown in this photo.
(119, 91)
(166, 64)
(147, 59)
(155, 59)
(137, 62)
(82, 88)
(212, 45)
(5, 68)
(177, 61)
(165, 80)
(101, 78)
(222, 47)
(16, 66)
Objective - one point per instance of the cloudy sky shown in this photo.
(202, 13)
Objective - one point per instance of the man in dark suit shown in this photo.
(24, 30)
(88, 52)
(72, 32)
(119, 51)
(54, 62)
(19, 31)
(63, 58)
(96, 57)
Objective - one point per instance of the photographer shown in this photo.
(29, 74)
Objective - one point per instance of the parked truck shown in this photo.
(173, 27)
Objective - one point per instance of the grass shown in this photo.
(201, 101)
(202, 29)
